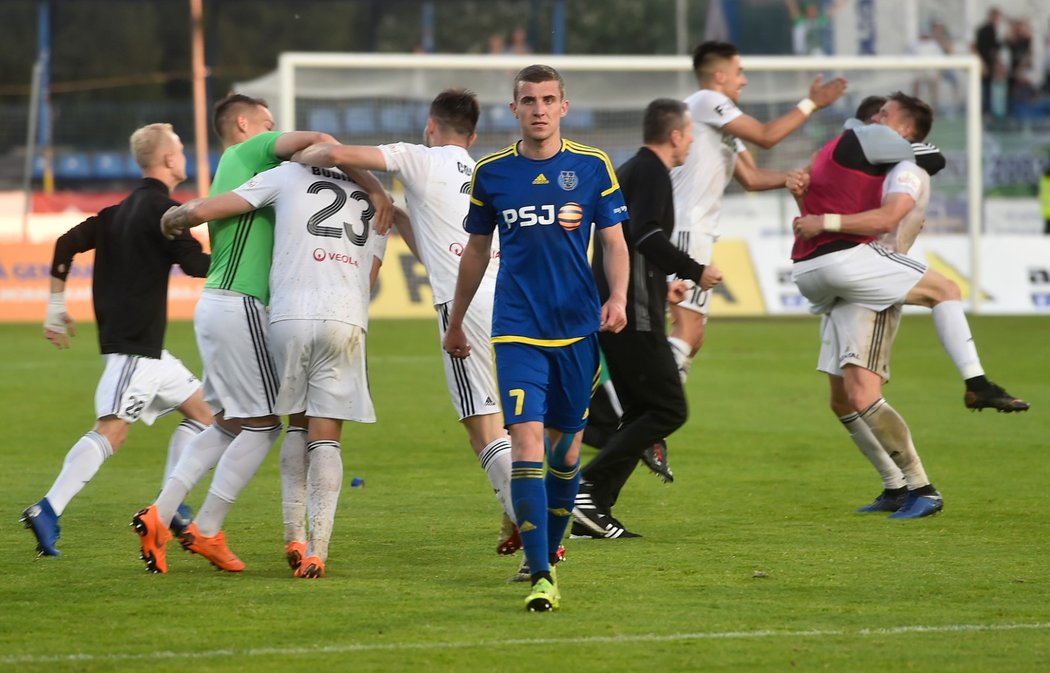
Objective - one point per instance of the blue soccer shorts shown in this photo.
(552, 384)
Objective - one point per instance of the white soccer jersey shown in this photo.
(437, 188)
(907, 178)
(321, 256)
(700, 182)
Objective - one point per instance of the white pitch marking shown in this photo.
(637, 638)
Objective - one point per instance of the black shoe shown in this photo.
(592, 521)
(887, 501)
(655, 458)
(993, 397)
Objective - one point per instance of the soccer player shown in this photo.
(142, 380)
(436, 175)
(326, 252)
(639, 358)
(845, 274)
(717, 155)
(230, 322)
(543, 193)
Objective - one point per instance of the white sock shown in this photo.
(236, 468)
(184, 433)
(893, 433)
(324, 479)
(861, 434)
(681, 356)
(495, 460)
(82, 463)
(954, 332)
(200, 455)
(293, 483)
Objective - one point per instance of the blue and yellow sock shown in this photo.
(562, 482)
(530, 509)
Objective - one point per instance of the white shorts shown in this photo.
(700, 247)
(867, 275)
(135, 388)
(239, 374)
(472, 380)
(854, 335)
(323, 369)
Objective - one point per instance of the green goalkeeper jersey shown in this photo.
(242, 246)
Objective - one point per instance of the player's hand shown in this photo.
(58, 324)
(676, 291)
(809, 226)
(614, 315)
(711, 276)
(797, 182)
(824, 94)
(455, 342)
(383, 203)
(172, 223)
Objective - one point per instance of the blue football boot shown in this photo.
(890, 500)
(918, 506)
(183, 517)
(42, 520)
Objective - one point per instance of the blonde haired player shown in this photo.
(141, 381)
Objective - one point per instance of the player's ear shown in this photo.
(564, 106)
(472, 138)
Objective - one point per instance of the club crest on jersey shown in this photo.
(567, 180)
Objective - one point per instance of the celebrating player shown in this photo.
(142, 381)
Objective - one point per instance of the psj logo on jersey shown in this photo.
(569, 216)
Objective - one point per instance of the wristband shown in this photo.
(806, 106)
(832, 222)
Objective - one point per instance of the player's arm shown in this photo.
(291, 142)
(616, 263)
(58, 324)
(869, 223)
(472, 267)
(180, 218)
(821, 94)
(346, 157)
(755, 179)
(186, 251)
(404, 227)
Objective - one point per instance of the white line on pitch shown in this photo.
(627, 638)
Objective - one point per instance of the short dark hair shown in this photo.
(536, 74)
(869, 106)
(708, 55)
(229, 108)
(662, 116)
(456, 110)
(920, 113)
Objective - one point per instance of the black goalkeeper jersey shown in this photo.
(133, 262)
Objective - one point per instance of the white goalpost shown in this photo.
(378, 98)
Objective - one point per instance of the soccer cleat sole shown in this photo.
(294, 553)
(540, 604)
(311, 568)
(142, 530)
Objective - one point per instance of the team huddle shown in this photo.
(298, 226)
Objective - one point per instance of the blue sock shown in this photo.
(563, 482)
(530, 509)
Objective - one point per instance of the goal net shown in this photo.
(380, 98)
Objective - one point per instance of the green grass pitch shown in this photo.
(753, 560)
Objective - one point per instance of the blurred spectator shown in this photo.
(497, 44)
(811, 26)
(1020, 81)
(1046, 63)
(935, 42)
(987, 43)
(519, 42)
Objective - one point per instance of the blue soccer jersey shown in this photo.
(545, 293)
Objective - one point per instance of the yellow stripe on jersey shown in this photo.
(577, 148)
(506, 151)
(554, 343)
